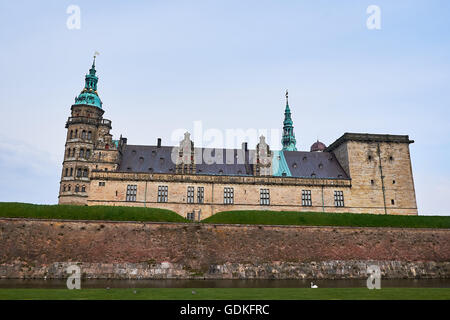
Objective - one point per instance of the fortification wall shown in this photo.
(38, 248)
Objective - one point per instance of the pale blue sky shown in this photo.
(165, 64)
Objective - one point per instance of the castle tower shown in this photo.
(288, 141)
(89, 145)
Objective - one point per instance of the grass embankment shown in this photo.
(25, 210)
(228, 294)
(328, 219)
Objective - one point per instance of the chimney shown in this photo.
(159, 142)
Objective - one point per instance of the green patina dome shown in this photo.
(89, 95)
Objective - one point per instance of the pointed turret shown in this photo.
(89, 95)
(288, 141)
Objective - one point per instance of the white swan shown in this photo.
(313, 286)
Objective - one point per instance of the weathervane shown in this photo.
(96, 53)
(287, 95)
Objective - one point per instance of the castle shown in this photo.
(359, 172)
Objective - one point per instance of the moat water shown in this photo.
(172, 283)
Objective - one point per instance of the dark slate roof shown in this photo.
(147, 159)
(137, 158)
(151, 159)
(305, 164)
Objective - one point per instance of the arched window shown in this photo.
(68, 152)
(78, 172)
(73, 152)
(71, 172)
(67, 172)
(71, 134)
(77, 188)
(89, 135)
(83, 189)
(64, 188)
(85, 172)
(81, 153)
(83, 134)
(69, 187)
(76, 133)
(88, 153)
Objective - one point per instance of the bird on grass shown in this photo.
(193, 292)
(313, 286)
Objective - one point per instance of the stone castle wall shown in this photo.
(38, 248)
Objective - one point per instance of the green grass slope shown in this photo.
(328, 219)
(25, 210)
(228, 294)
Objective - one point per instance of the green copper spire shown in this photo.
(288, 141)
(89, 95)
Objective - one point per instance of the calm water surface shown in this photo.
(170, 283)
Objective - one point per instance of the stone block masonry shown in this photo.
(133, 250)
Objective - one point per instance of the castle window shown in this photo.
(391, 158)
(306, 198)
(190, 216)
(393, 181)
(200, 194)
(304, 158)
(85, 172)
(228, 195)
(392, 201)
(66, 172)
(320, 166)
(131, 192)
(68, 152)
(101, 183)
(294, 165)
(313, 175)
(150, 169)
(190, 194)
(69, 187)
(77, 188)
(369, 158)
(64, 188)
(141, 159)
(81, 153)
(73, 152)
(83, 189)
(163, 193)
(83, 134)
(264, 197)
(76, 133)
(338, 198)
(78, 172)
(71, 172)
(89, 135)
(339, 175)
(372, 182)
(71, 134)
(88, 153)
